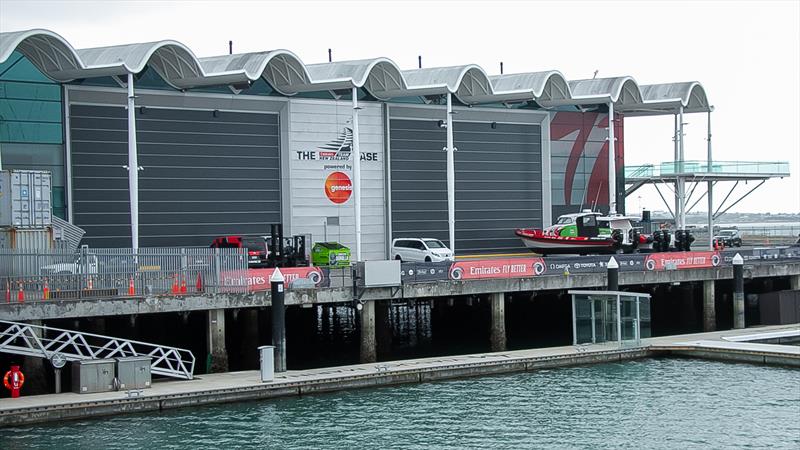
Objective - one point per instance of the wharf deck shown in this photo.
(246, 385)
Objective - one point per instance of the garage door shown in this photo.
(206, 174)
(498, 182)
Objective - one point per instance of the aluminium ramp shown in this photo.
(44, 342)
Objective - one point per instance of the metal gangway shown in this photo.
(47, 342)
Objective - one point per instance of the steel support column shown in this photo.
(710, 188)
(133, 165)
(681, 182)
(612, 165)
(356, 152)
(451, 176)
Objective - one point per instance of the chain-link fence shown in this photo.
(27, 275)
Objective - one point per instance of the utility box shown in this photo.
(379, 273)
(93, 375)
(134, 372)
(779, 308)
(330, 254)
(25, 199)
(267, 354)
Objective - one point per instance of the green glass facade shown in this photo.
(31, 124)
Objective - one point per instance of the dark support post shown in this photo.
(794, 282)
(278, 320)
(738, 291)
(613, 274)
(368, 341)
(709, 308)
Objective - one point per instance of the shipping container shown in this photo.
(25, 199)
(26, 239)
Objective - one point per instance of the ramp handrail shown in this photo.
(34, 340)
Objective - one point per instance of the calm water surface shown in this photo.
(655, 403)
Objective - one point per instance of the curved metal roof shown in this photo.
(381, 77)
(549, 85)
(282, 69)
(668, 98)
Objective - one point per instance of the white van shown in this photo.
(420, 249)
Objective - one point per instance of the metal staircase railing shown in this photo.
(44, 342)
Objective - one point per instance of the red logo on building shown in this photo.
(338, 187)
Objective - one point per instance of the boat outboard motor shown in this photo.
(616, 235)
(633, 235)
(688, 239)
(664, 241)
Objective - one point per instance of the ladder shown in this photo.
(45, 342)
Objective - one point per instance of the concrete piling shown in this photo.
(278, 320)
(738, 291)
(709, 307)
(498, 332)
(368, 342)
(217, 353)
(794, 282)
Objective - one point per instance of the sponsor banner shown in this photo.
(682, 260)
(497, 268)
(592, 264)
(258, 279)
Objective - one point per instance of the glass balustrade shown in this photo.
(717, 167)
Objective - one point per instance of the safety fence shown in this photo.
(114, 272)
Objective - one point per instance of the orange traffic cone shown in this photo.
(183, 285)
(8, 291)
(90, 283)
(175, 288)
(20, 293)
(46, 290)
(131, 287)
(199, 284)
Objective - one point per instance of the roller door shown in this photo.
(205, 174)
(498, 182)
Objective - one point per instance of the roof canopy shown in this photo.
(381, 77)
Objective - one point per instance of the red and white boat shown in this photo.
(584, 233)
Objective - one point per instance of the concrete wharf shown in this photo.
(246, 385)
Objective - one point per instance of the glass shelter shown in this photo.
(610, 316)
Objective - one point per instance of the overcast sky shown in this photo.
(746, 54)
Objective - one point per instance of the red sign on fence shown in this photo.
(682, 260)
(497, 268)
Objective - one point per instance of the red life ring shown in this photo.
(8, 385)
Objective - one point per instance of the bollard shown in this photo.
(738, 291)
(278, 320)
(199, 284)
(613, 274)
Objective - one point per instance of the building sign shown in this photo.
(338, 187)
(497, 268)
(339, 149)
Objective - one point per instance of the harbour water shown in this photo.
(653, 403)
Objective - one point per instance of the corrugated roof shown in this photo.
(288, 75)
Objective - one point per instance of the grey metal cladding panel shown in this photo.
(492, 167)
(418, 183)
(203, 176)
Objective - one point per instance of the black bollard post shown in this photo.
(278, 320)
(613, 274)
(738, 291)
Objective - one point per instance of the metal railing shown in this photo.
(774, 168)
(111, 272)
(44, 342)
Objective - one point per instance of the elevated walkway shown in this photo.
(46, 342)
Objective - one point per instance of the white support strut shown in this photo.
(451, 177)
(133, 165)
(356, 152)
(612, 166)
(710, 188)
